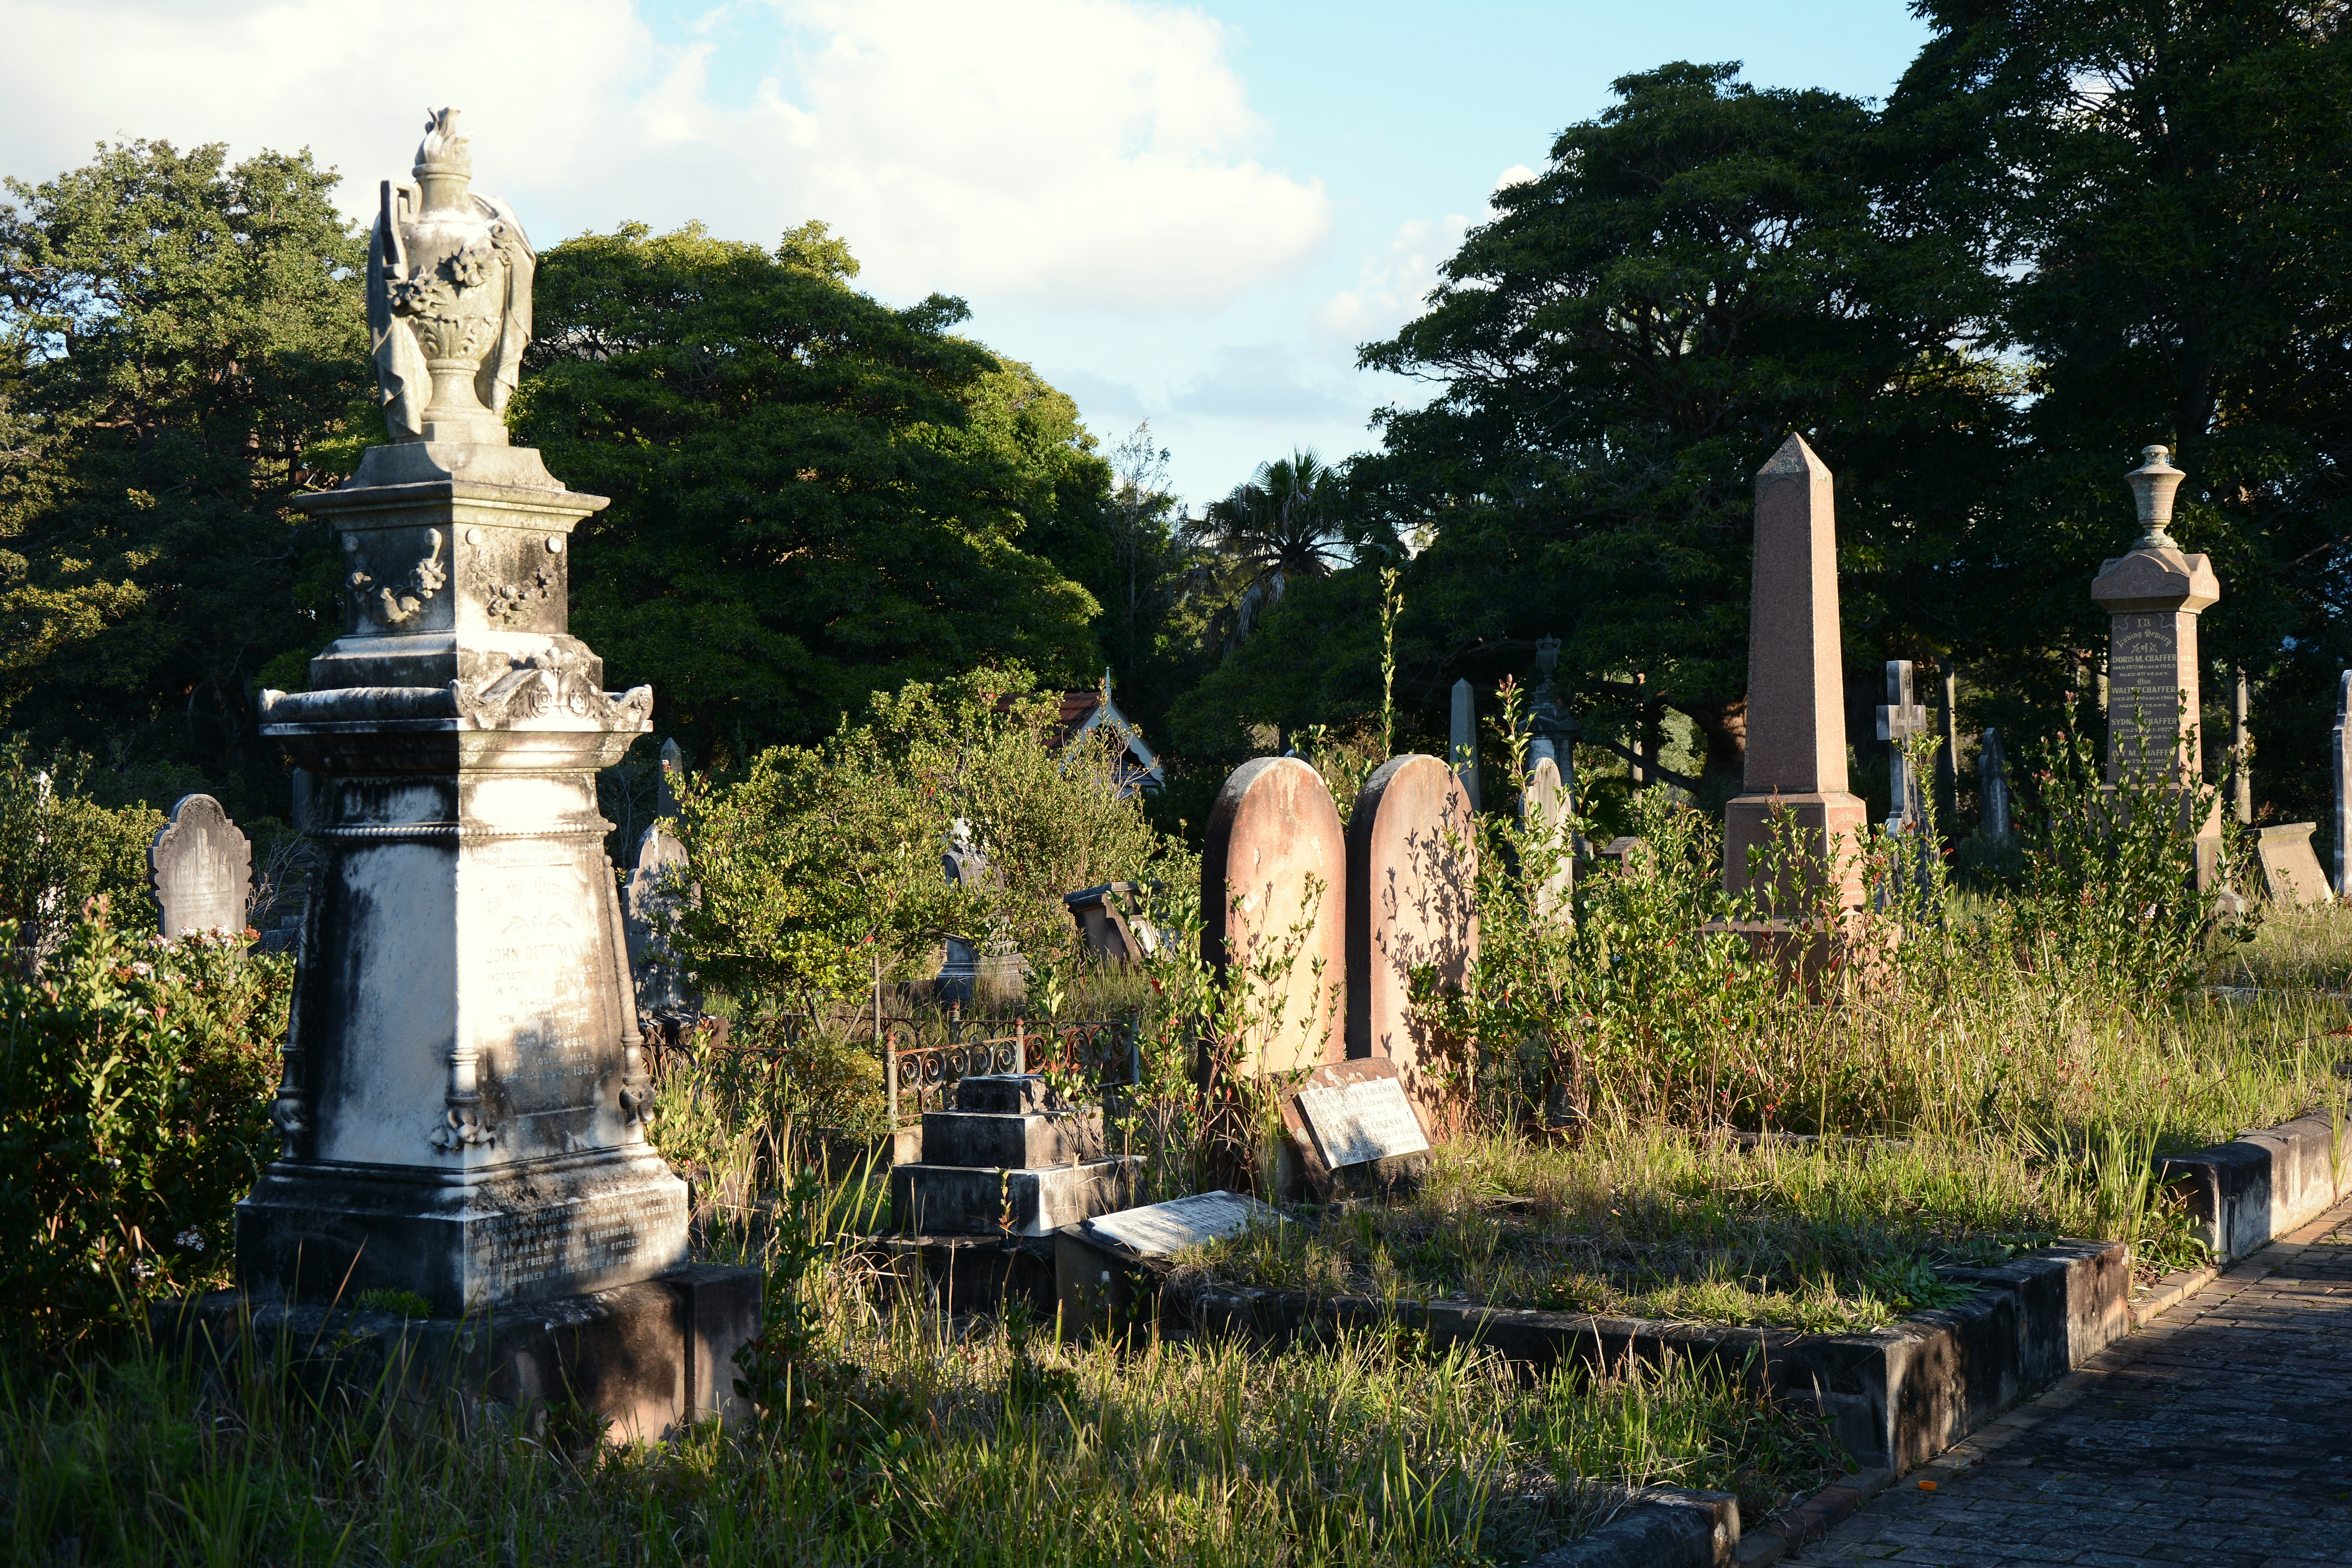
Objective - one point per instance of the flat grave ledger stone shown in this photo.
(1352, 1129)
(1274, 900)
(1412, 870)
(1160, 1230)
(1796, 683)
(2291, 873)
(201, 868)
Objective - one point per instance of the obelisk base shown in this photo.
(645, 1361)
(1830, 827)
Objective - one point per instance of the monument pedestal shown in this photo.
(649, 1358)
(1830, 825)
(977, 1178)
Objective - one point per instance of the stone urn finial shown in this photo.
(2152, 485)
(1547, 659)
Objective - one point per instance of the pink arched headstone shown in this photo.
(1412, 900)
(1273, 832)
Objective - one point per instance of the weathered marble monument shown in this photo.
(2153, 594)
(464, 1102)
(1796, 690)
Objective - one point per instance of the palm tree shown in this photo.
(1283, 524)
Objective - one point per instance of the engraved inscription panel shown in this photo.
(535, 1252)
(1360, 1122)
(2145, 679)
(536, 972)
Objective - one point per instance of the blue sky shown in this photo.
(1190, 213)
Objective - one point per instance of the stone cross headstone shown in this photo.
(653, 893)
(1463, 742)
(1274, 903)
(2241, 777)
(1899, 719)
(2340, 760)
(201, 868)
(1796, 682)
(1992, 787)
(1412, 868)
(464, 1096)
(2291, 874)
(1545, 808)
(2153, 594)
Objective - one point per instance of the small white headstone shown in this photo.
(1159, 1229)
(650, 897)
(1357, 1123)
(202, 868)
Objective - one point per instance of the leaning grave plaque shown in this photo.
(1352, 1129)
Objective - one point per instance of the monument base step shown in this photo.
(648, 1359)
(962, 1200)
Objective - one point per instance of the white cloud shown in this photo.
(1077, 152)
(1392, 285)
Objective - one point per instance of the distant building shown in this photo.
(1082, 713)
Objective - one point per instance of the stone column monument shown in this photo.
(1796, 689)
(2153, 595)
(464, 1102)
(1464, 740)
(2340, 758)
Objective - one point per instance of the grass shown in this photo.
(935, 1441)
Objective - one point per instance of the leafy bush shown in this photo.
(59, 848)
(135, 1081)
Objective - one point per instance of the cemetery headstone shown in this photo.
(2340, 757)
(2153, 594)
(464, 1096)
(1899, 719)
(1106, 925)
(1992, 787)
(1352, 1129)
(1544, 809)
(653, 893)
(673, 769)
(1796, 684)
(2291, 874)
(1009, 1156)
(1948, 757)
(1462, 739)
(1553, 730)
(1273, 901)
(1627, 853)
(201, 867)
(1158, 1230)
(963, 861)
(2241, 778)
(1411, 871)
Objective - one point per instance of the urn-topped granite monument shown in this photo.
(464, 1102)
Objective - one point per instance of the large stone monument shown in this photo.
(2153, 594)
(1412, 868)
(1274, 900)
(1796, 688)
(201, 867)
(464, 1102)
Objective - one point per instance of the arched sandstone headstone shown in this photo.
(1412, 900)
(201, 867)
(1273, 832)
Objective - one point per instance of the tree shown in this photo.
(1279, 528)
(814, 497)
(1702, 270)
(2164, 187)
(182, 350)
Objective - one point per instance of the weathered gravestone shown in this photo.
(1012, 1157)
(1900, 718)
(1544, 809)
(2291, 874)
(1274, 904)
(1108, 1269)
(1992, 787)
(2242, 772)
(1795, 689)
(1351, 1129)
(1107, 925)
(1461, 742)
(463, 1110)
(2340, 765)
(2153, 594)
(656, 884)
(201, 867)
(1412, 868)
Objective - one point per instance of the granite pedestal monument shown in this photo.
(464, 1101)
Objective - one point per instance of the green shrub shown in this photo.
(59, 848)
(135, 1081)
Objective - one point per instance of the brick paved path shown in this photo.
(2220, 1435)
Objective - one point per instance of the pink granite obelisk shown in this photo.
(1796, 685)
